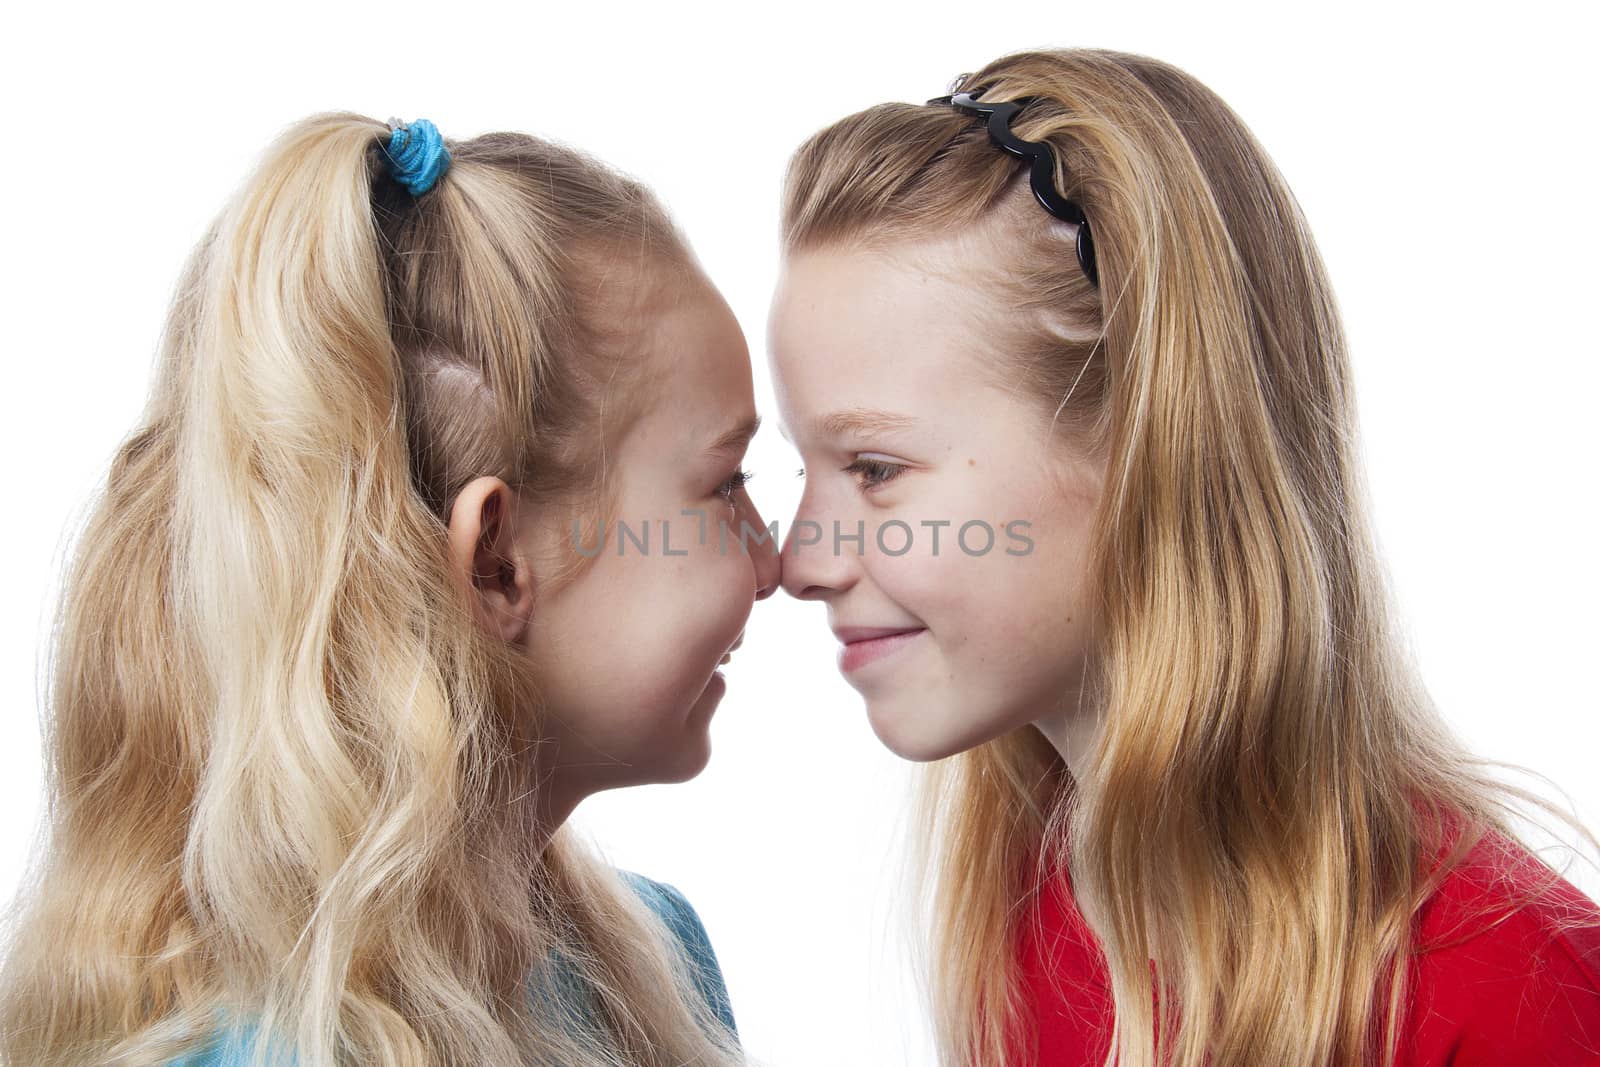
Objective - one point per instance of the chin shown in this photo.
(919, 742)
(691, 756)
(923, 734)
(697, 763)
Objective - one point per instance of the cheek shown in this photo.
(676, 615)
(940, 590)
(983, 610)
(629, 662)
(1041, 620)
(1003, 597)
(712, 591)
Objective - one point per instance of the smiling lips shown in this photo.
(866, 644)
(860, 644)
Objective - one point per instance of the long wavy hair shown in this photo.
(291, 784)
(1271, 795)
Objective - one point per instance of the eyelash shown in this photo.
(736, 481)
(876, 471)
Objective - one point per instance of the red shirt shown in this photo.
(1520, 992)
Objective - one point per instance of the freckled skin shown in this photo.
(1006, 638)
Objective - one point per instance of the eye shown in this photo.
(736, 481)
(874, 472)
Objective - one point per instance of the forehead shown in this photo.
(898, 297)
(867, 329)
(689, 366)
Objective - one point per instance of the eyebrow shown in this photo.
(735, 439)
(863, 422)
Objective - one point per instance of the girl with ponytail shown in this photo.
(1187, 800)
(341, 645)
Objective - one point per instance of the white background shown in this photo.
(1443, 155)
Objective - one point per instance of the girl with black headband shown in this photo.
(344, 641)
(1187, 800)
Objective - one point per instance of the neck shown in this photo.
(1072, 737)
(1072, 728)
(557, 796)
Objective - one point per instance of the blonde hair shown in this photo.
(1271, 786)
(290, 782)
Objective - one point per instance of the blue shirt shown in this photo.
(233, 1047)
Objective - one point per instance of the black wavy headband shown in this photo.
(1042, 168)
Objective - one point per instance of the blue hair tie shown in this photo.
(417, 155)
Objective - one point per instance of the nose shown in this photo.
(764, 555)
(815, 566)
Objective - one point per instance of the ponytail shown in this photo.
(291, 782)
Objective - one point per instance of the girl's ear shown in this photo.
(486, 558)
